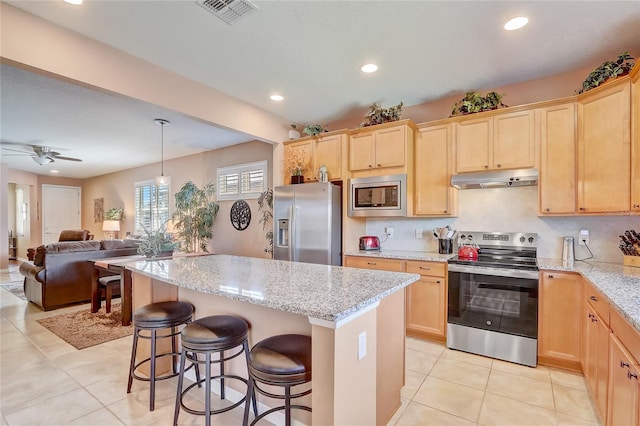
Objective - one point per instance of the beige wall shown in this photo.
(117, 190)
(542, 89)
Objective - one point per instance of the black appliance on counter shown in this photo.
(493, 301)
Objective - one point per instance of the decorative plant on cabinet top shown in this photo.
(314, 129)
(379, 115)
(622, 65)
(474, 102)
(195, 213)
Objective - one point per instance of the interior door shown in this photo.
(60, 210)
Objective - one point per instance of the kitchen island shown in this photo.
(355, 318)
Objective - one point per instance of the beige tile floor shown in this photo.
(44, 380)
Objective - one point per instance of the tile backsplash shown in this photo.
(510, 210)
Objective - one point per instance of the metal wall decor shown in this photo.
(240, 215)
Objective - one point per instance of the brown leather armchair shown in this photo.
(66, 235)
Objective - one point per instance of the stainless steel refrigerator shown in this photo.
(307, 223)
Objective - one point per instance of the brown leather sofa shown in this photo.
(60, 273)
(66, 235)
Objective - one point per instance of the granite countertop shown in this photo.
(402, 255)
(330, 293)
(620, 284)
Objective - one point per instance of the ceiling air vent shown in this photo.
(228, 10)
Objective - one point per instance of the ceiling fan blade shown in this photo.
(17, 150)
(58, 157)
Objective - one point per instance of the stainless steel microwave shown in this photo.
(378, 196)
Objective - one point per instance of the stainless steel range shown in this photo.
(493, 300)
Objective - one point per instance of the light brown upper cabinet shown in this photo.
(501, 141)
(434, 195)
(557, 182)
(326, 148)
(302, 148)
(604, 149)
(382, 146)
(635, 139)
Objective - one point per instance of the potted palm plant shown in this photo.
(195, 213)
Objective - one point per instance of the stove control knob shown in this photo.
(522, 239)
(530, 240)
(488, 322)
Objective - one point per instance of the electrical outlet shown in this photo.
(583, 237)
(362, 345)
(389, 231)
(419, 233)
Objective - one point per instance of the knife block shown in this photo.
(631, 261)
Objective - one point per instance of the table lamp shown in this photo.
(111, 228)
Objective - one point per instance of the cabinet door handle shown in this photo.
(635, 206)
(590, 315)
(595, 299)
(594, 319)
(499, 165)
(582, 209)
(371, 263)
(446, 211)
(437, 281)
(379, 165)
(631, 375)
(486, 166)
(624, 364)
(547, 210)
(426, 268)
(370, 166)
(551, 276)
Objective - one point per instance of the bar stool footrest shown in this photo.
(212, 412)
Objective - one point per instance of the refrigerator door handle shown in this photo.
(293, 243)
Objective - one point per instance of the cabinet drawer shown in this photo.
(625, 332)
(597, 300)
(435, 269)
(374, 263)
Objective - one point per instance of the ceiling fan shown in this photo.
(41, 154)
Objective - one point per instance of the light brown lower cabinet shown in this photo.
(624, 388)
(559, 309)
(596, 358)
(427, 300)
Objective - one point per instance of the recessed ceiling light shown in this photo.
(54, 171)
(516, 23)
(277, 98)
(369, 68)
(76, 2)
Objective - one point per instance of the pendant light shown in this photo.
(162, 180)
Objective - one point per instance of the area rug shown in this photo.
(16, 288)
(83, 329)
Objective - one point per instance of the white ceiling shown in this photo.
(308, 51)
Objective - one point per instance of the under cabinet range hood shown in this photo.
(495, 179)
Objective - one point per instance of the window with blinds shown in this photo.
(242, 181)
(152, 205)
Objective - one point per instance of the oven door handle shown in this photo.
(498, 272)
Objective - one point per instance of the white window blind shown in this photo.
(242, 181)
(152, 205)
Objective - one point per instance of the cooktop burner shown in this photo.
(516, 250)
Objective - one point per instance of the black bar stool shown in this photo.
(151, 318)
(211, 335)
(284, 361)
(107, 284)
